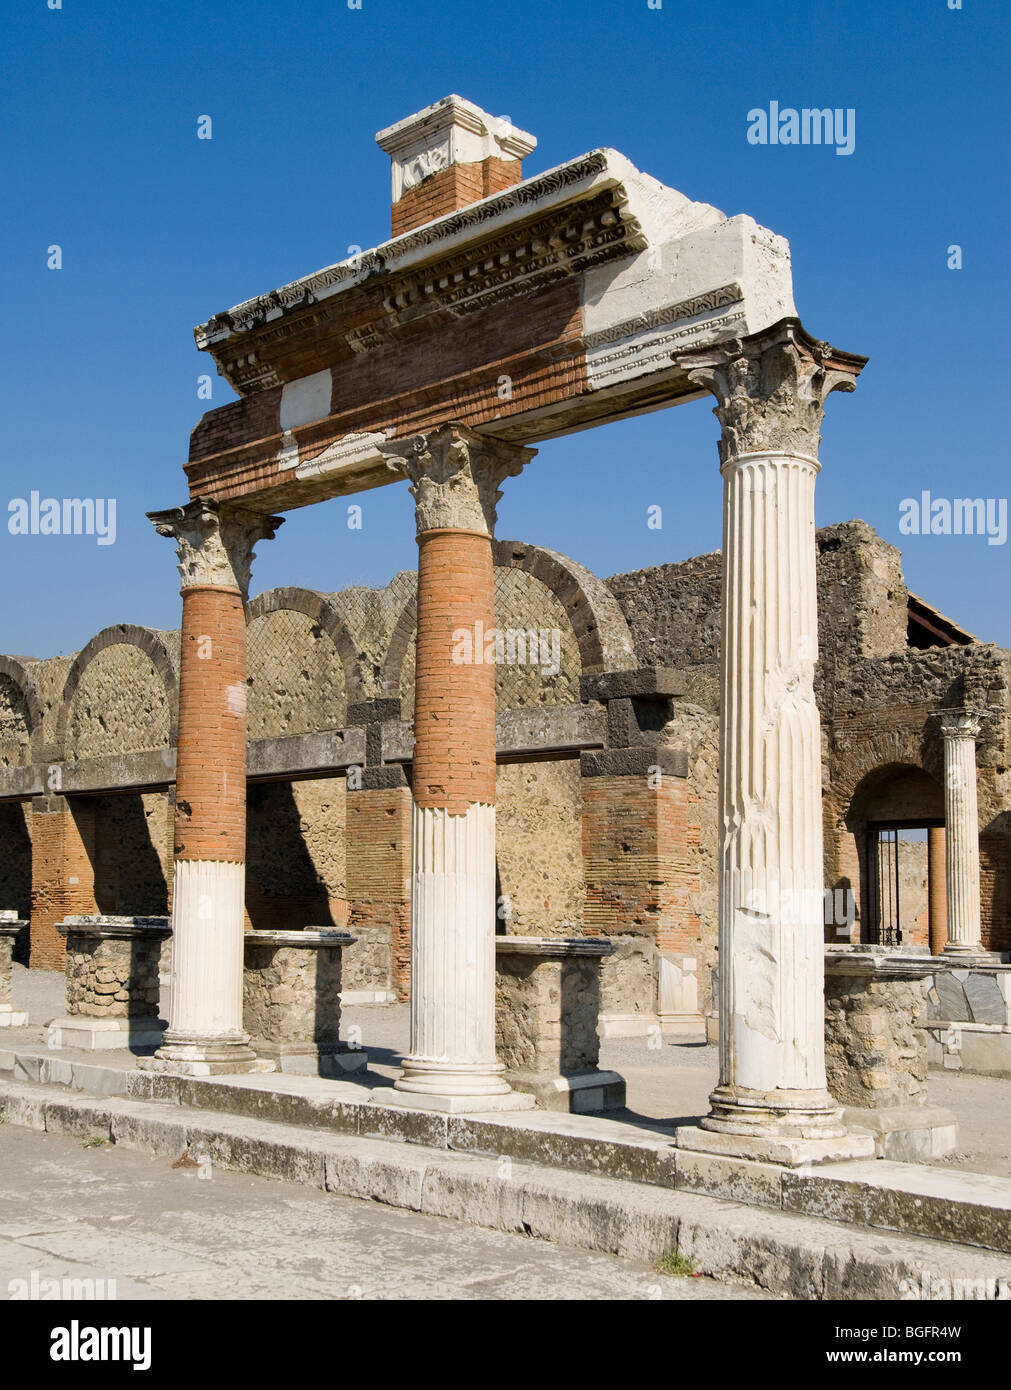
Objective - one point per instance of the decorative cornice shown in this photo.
(666, 316)
(214, 542)
(255, 313)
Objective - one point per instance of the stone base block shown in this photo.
(101, 1034)
(9, 1018)
(787, 1153)
(296, 1059)
(453, 1105)
(908, 1133)
(628, 1025)
(576, 1094)
(188, 1066)
(984, 1049)
(350, 997)
(682, 1025)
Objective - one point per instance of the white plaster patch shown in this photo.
(306, 400)
(345, 454)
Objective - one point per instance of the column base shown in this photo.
(9, 1018)
(206, 1057)
(969, 955)
(785, 1152)
(421, 1076)
(775, 1114)
(454, 1105)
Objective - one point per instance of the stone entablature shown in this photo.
(597, 274)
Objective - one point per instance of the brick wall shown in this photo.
(63, 877)
(379, 877)
(453, 188)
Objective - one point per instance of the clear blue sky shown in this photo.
(159, 229)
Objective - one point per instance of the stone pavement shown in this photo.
(69, 1211)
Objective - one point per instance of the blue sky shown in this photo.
(159, 230)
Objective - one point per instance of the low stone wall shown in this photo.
(547, 1005)
(112, 965)
(112, 986)
(876, 1049)
(291, 1002)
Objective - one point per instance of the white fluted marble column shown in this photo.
(960, 729)
(771, 1100)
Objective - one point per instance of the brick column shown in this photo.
(772, 1101)
(215, 547)
(63, 873)
(937, 893)
(452, 1064)
(960, 729)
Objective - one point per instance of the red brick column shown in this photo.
(452, 1064)
(63, 874)
(215, 546)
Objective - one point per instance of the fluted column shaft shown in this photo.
(770, 390)
(959, 730)
(215, 547)
(771, 865)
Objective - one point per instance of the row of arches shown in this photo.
(309, 657)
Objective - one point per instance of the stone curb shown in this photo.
(796, 1255)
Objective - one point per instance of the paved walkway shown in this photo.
(68, 1211)
(669, 1083)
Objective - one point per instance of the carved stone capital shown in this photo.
(215, 541)
(455, 475)
(960, 723)
(771, 388)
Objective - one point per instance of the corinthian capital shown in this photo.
(771, 388)
(215, 541)
(960, 723)
(455, 475)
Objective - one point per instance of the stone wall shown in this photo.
(875, 1043)
(295, 676)
(120, 705)
(296, 862)
(133, 854)
(15, 724)
(112, 978)
(539, 848)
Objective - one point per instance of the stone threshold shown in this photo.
(912, 1199)
(796, 1255)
